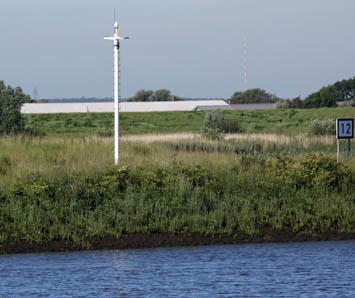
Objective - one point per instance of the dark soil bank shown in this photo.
(135, 241)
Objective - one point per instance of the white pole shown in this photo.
(116, 102)
(116, 45)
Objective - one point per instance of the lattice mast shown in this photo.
(245, 64)
(116, 86)
(35, 94)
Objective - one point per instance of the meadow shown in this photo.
(272, 182)
(293, 122)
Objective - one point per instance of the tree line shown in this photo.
(326, 97)
(341, 91)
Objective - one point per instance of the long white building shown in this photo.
(104, 107)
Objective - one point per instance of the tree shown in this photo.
(142, 95)
(162, 95)
(325, 97)
(297, 103)
(253, 96)
(329, 95)
(11, 100)
(158, 95)
(345, 88)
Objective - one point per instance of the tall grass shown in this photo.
(67, 189)
(21, 156)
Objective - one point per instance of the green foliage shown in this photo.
(322, 127)
(253, 96)
(65, 189)
(4, 164)
(313, 170)
(162, 95)
(345, 89)
(296, 103)
(283, 104)
(113, 181)
(328, 96)
(11, 100)
(210, 128)
(325, 97)
(256, 121)
(158, 95)
(294, 197)
(235, 147)
(215, 125)
(142, 95)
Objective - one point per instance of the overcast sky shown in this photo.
(192, 47)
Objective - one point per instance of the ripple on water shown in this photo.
(314, 269)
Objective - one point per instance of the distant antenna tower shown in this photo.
(35, 94)
(245, 64)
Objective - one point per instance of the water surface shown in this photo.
(316, 269)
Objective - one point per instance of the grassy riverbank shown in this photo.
(62, 193)
(259, 121)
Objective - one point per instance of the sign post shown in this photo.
(344, 130)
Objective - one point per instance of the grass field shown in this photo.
(291, 122)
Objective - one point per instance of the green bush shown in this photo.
(215, 125)
(310, 171)
(322, 127)
(283, 105)
(348, 103)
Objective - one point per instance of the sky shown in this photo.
(192, 47)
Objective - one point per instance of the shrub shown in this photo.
(210, 127)
(283, 104)
(312, 170)
(4, 164)
(348, 103)
(215, 125)
(113, 181)
(322, 127)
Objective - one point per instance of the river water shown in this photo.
(314, 269)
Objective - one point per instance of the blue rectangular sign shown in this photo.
(345, 128)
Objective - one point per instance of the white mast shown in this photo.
(116, 45)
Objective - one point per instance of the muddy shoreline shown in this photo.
(136, 241)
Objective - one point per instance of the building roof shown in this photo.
(102, 107)
(254, 106)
